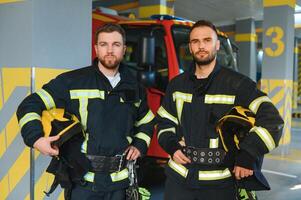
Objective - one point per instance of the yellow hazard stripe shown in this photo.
(164, 114)
(246, 37)
(29, 117)
(257, 102)
(46, 98)
(271, 3)
(146, 119)
(265, 136)
(143, 137)
(173, 129)
(9, 1)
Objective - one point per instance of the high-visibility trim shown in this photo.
(213, 143)
(119, 176)
(214, 175)
(219, 99)
(173, 129)
(85, 143)
(272, 3)
(143, 137)
(180, 98)
(180, 169)
(137, 104)
(121, 100)
(46, 98)
(29, 117)
(257, 102)
(246, 37)
(163, 113)
(146, 119)
(83, 96)
(89, 176)
(265, 136)
(77, 94)
(130, 139)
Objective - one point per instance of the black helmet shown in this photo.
(237, 122)
(233, 128)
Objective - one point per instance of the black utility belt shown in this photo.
(107, 164)
(206, 156)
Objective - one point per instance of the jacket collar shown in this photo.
(192, 68)
(125, 74)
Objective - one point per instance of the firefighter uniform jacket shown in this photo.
(112, 118)
(190, 111)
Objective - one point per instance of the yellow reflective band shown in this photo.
(173, 129)
(121, 175)
(83, 96)
(183, 171)
(46, 98)
(29, 117)
(214, 175)
(143, 137)
(137, 104)
(146, 119)
(121, 100)
(219, 99)
(213, 143)
(257, 102)
(89, 176)
(180, 98)
(84, 144)
(265, 136)
(130, 139)
(163, 113)
(91, 94)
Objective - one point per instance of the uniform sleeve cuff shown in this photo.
(244, 159)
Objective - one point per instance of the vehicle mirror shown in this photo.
(146, 53)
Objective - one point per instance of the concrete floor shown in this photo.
(282, 171)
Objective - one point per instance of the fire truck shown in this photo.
(157, 51)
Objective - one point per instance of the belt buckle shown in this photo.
(121, 157)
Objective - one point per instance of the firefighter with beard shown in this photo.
(112, 108)
(199, 167)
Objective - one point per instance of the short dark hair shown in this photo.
(202, 23)
(109, 28)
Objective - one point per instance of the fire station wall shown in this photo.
(39, 39)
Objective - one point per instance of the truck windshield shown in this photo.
(181, 38)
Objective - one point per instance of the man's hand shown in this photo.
(180, 158)
(43, 145)
(132, 153)
(241, 172)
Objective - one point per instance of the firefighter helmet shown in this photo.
(58, 122)
(237, 123)
(233, 128)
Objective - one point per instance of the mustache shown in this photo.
(201, 51)
(109, 55)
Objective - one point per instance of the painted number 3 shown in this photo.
(276, 33)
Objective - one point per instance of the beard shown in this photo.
(206, 60)
(110, 63)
